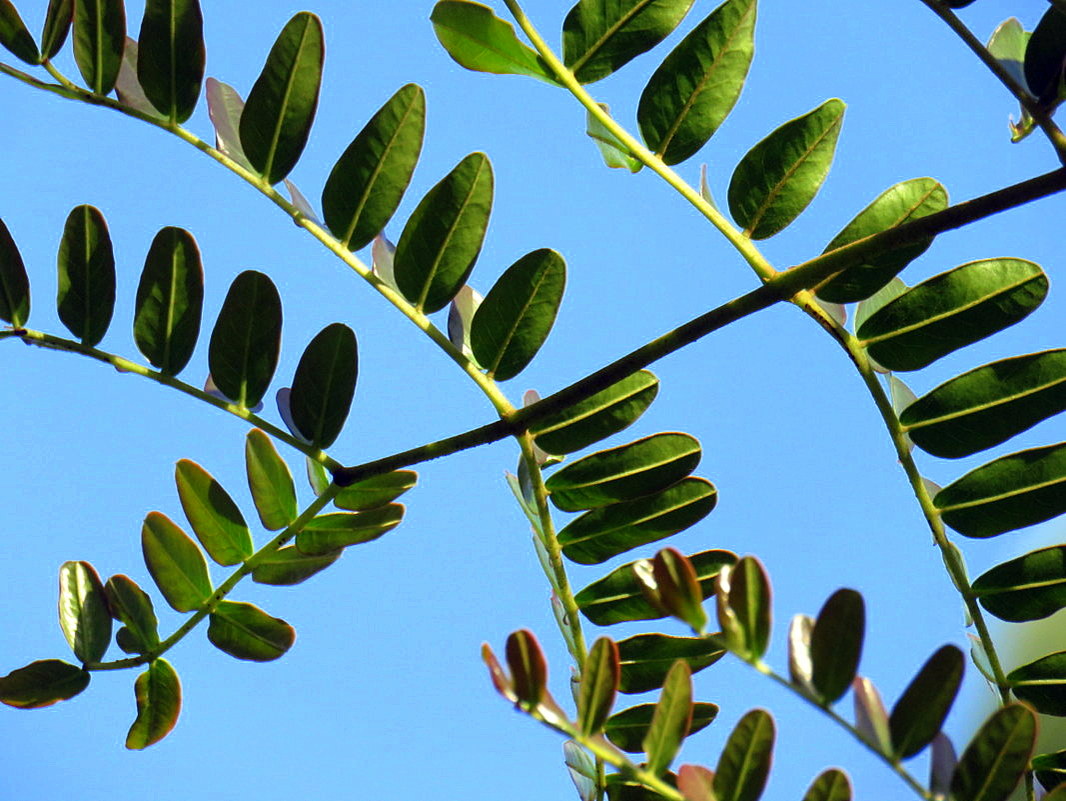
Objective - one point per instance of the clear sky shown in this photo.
(384, 694)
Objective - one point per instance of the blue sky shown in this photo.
(384, 694)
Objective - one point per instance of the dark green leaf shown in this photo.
(170, 299)
(170, 62)
(14, 283)
(997, 756)
(610, 530)
(1030, 587)
(642, 467)
(327, 533)
(696, 87)
(247, 632)
(270, 482)
(517, 314)
(86, 298)
(744, 764)
(952, 310)
(599, 684)
(1042, 684)
(836, 644)
(647, 658)
(1050, 769)
(99, 38)
(158, 692)
(225, 107)
(779, 177)
(920, 711)
(607, 412)
(1044, 55)
(599, 36)
(670, 723)
(42, 683)
(177, 566)
(831, 785)
(942, 764)
(57, 22)
(368, 181)
(83, 612)
(443, 237)
(1012, 492)
(14, 36)
(214, 517)
(246, 339)
(904, 202)
(287, 566)
(376, 491)
(628, 728)
(479, 40)
(131, 606)
(529, 671)
(621, 789)
(324, 385)
(277, 117)
(988, 405)
(744, 608)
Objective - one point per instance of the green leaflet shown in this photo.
(582, 770)
(170, 299)
(598, 417)
(866, 308)
(779, 177)
(42, 683)
(1012, 492)
(1007, 45)
(671, 583)
(1042, 684)
(369, 180)
(442, 238)
(831, 785)
(324, 385)
(920, 711)
(642, 467)
(600, 36)
(696, 87)
(14, 283)
(376, 491)
(1029, 587)
(1044, 54)
(327, 533)
(131, 606)
(287, 566)
(14, 36)
(83, 612)
(744, 764)
(170, 60)
(246, 339)
(213, 515)
(477, 39)
(99, 38)
(906, 201)
(599, 685)
(529, 670)
(86, 298)
(158, 693)
(225, 107)
(614, 152)
(57, 22)
(997, 756)
(277, 117)
(744, 604)
(610, 530)
(670, 722)
(836, 644)
(517, 314)
(177, 566)
(951, 310)
(988, 405)
(247, 632)
(628, 728)
(645, 659)
(270, 482)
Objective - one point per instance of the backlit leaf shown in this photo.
(131, 606)
(831, 785)
(14, 36)
(646, 658)
(1007, 45)
(460, 317)
(83, 612)
(247, 632)
(42, 683)
(920, 711)
(270, 482)
(327, 533)
(170, 61)
(377, 491)
(836, 644)
(158, 692)
(128, 87)
(177, 566)
(613, 150)
(14, 283)
(582, 770)
(289, 565)
(599, 684)
(1042, 684)
(246, 339)
(745, 608)
(744, 764)
(529, 671)
(997, 756)
(170, 298)
(674, 586)
(86, 298)
(1030, 587)
(696, 783)
(670, 723)
(324, 385)
(628, 728)
(225, 107)
(214, 517)
(479, 40)
(99, 39)
(800, 667)
(871, 719)
(57, 21)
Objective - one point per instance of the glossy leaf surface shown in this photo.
(628, 728)
(86, 298)
(289, 565)
(214, 517)
(57, 21)
(831, 785)
(277, 116)
(836, 644)
(14, 36)
(177, 566)
(670, 722)
(324, 385)
(479, 40)
(517, 314)
(779, 177)
(1030, 587)
(369, 180)
(600, 36)
(744, 608)
(270, 482)
(14, 283)
(83, 612)
(99, 39)
(170, 299)
(376, 491)
(1042, 684)
(170, 56)
(131, 605)
(607, 412)
(158, 692)
(647, 658)
(529, 671)
(246, 339)
(42, 683)
(442, 238)
(920, 711)
(610, 530)
(642, 467)
(327, 533)
(247, 632)
(1014, 491)
(599, 684)
(952, 310)
(694, 89)
(997, 756)
(744, 764)
(904, 202)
